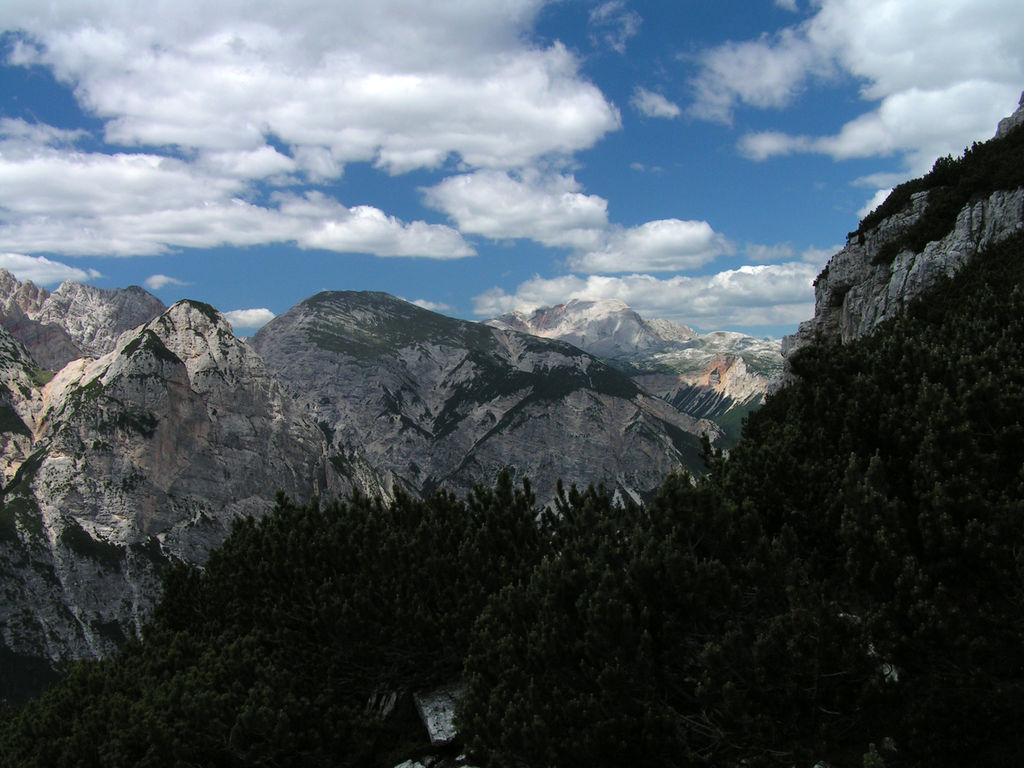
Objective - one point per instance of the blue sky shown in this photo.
(699, 161)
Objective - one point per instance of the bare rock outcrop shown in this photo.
(74, 321)
(435, 402)
(858, 290)
(134, 459)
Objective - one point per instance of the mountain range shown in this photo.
(133, 434)
(719, 376)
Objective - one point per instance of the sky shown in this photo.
(698, 160)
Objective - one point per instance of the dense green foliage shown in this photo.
(846, 586)
(851, 575)
(951, 184)
(270, 654)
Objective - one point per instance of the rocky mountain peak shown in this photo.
(705, 376)
(74, 321)
(432, 401)
(1007, 124)
(607, 327)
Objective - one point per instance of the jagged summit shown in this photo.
(717, 376)
(75, 320)
(1007, 124)
(130, 460)
(605, 327)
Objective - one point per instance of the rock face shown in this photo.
(431, 401)
(1007, 124)
(74, 321)
(715, 376)
(856, 291)
(861, 287)
(124, 462)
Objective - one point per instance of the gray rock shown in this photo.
(437, 711)
(703, 375)
(1007, 124)
(138, 457)
(856, 291)
(74, 321)
(432, 402)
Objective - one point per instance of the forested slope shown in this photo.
(847, 586)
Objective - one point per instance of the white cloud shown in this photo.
(551, 209)
(224, 99)
(158, 282)
(662, 245)
(42, 271)
(400, 84)
(765, 73)
(653, 104)
(613, 24)
(878, 198)
(788, 5)
(249, 318)
(139, 204)
(938, 76)
(433, 306)
(750, 296)
(365, 229)
(548, 208)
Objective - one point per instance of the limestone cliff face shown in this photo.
(130, 460)
(864, 284)
(74, 321)
(855, 292)
(431, 401)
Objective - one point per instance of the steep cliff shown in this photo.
(927, 228)
(124, 462)
(437, 402)
(74, 321)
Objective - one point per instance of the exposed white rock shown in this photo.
(74, 321)
(437, 711)
(857, 291)
(139, 456)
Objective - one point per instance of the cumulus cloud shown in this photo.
(938, 76)
(552, 210)
(653, 104)
(548, 208)
(42, 271)
(213, 104)
(158, 282)
(365, 229)
(400, 84)
(878, 198)
(123, 204)
(249, 318)
(656, 246)
(750, 296)
(763, 73)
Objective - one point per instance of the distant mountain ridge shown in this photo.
(142, 451)
(717, 376)
(438, 402)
